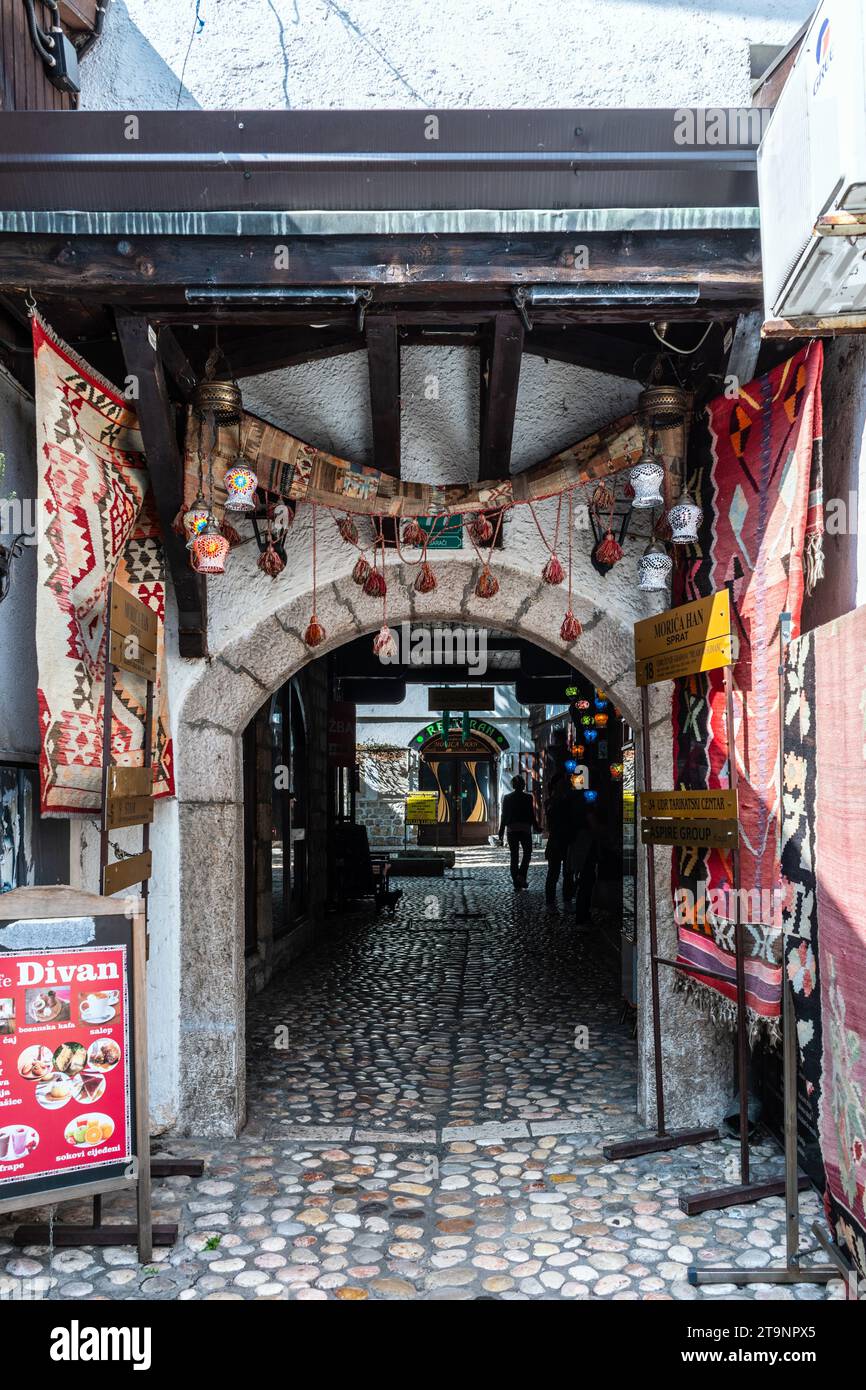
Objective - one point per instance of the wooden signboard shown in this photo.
(700, 834)
(124, 811)
(703, 819)
(683, 641)
(479, 697)
(125, 872)
(421, 808)
(128, 653)
(129, 617)
(718, 804)
(73, 1055)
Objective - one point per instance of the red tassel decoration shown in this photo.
(480, 529)
(412, 533)
(230, 533)
(609, 551)
(488, 584)
(385, 643)
(315, 633)
(361, 570)
(603, 498)
(571, 628)
(270, 562)
(177, 524)
(628, 492)
(425, 579)
(375, 585)
(553, 573)
(348, 530)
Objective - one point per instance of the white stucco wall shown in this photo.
(19, 715)
(363, 54)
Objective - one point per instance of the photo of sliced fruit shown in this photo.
(86, 1131)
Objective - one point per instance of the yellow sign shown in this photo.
(705, 805)
(421, 808)
(701, 834)
(129, 617)
(682, 641)
(125, 872)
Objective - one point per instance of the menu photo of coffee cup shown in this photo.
(98, 1006)
(16, 1142)
(7, 1015)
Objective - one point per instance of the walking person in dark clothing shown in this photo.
(518, 822)
(564, 823)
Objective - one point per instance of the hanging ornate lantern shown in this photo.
(684, 519)
(586, 720)
(600, 702)
(590, 735)
(240, 485)
(195, 519)
(210, 549)
(570, 765)
(616, 771)
(590, 795)
(654, 568)
(663, 407)
(579, 750)
(222, 399)
(601, 721)
(646, 478)
(583, 704)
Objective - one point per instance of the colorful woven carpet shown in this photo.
(799, 882)
(840, 700)
(757, 474)
(97, 524)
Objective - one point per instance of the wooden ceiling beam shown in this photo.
(165, 466)
(589, 348)
(501, 354)
(722, 264)
(383, 353)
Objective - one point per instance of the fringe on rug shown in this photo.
(813, 560)
(723, 1012)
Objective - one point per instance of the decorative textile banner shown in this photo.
(97, 523)
(799, 878)
(758, 478)
(840, 702)
(298, 472)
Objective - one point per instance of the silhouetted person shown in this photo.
(518, 822)
(565, 821)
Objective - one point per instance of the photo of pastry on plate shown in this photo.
(104, 1054)
(88, 1087)
(36, 1063)
(97, 1006)
(16, 1142)
(47, 1006)
(54, 1092)
(88, 1130)
(70, 1058)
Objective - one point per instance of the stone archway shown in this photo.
(234, 683)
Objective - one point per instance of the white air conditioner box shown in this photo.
(812, 175)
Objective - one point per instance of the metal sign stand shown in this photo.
(664, 1138)
(113, 877)
(792, 1272)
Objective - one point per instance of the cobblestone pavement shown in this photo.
(428, 1096)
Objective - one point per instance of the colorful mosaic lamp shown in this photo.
(616, 770)
(240, 485)
(591, 735)
(209, 550)
(601, 721)
(195, 519)
(590, 795)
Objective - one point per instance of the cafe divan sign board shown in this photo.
(67, 1074)
(684, 641)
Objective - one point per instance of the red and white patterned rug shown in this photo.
(97, 523)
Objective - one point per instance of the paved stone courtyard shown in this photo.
(429, 1092)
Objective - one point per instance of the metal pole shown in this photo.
(653, 926)
(789, 1022)
(107, 700)
(739, 944)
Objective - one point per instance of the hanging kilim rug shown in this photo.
(840, 702)
(799, 881)
(756, 470)
(97, 523)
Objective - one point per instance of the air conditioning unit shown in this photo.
(812, 176)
